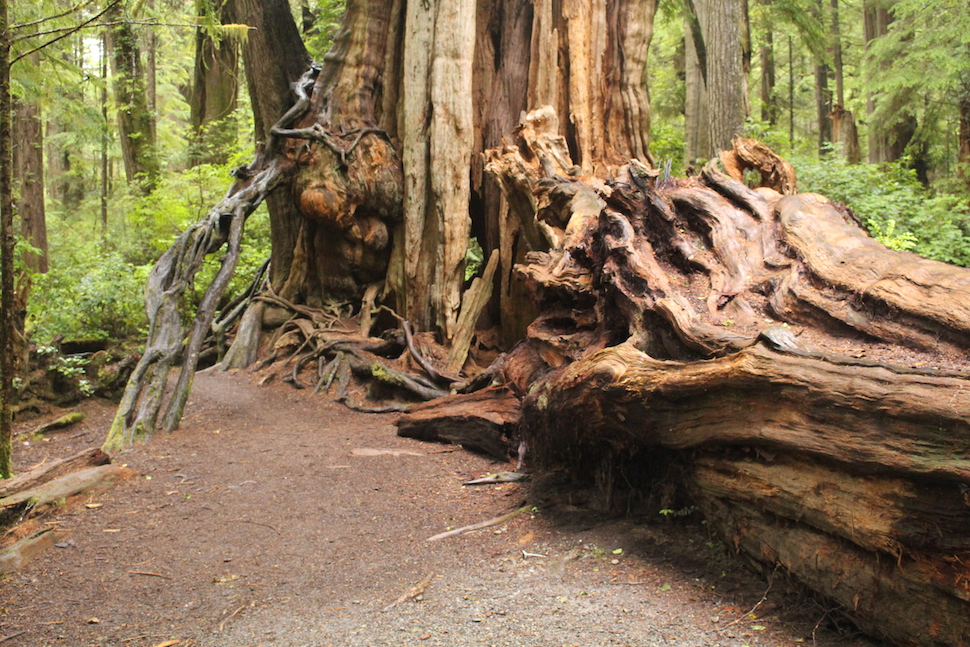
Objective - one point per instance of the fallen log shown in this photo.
(484, 421)
(22, 552)
(52, 493)
(806, 387)
(91, 457)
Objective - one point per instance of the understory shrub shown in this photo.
(894, 206)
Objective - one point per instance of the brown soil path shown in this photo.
(275, 518)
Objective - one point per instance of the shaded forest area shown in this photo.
(541, 219)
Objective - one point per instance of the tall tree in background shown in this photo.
(7, 330)
(716, 33)
(65, 160)
(215, 84)
(28, 169)
(726, 84)
(843, 121)
(823, 93)
(135, 119)
(697, 132)
(769, 100)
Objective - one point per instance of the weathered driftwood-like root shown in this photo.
(171, 276)
(341, 353)
(331, 338)
(750, 154)
(168, 282)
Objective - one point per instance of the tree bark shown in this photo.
(29, 180)
(963, 131)
(844, 132)
(7, 329)
(725, 73)
(876, 20)
(803, 384)
(769, 101)
(837, 54)
(697, 135)
(135, 121)
(215, 87)
(274, 57)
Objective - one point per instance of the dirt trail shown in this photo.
(275, 518)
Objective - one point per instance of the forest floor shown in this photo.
(277, 518)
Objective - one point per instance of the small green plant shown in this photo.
(886, 234)
(474, 257)
(70, 366)
(683, 512)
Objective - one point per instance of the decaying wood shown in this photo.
(49, 471)
(484, 421)
(22, 552)
(920, 602)
(475, 300)
(61, 422)
(776, 172)
(89, 480)
(807, 386)
(26, 499)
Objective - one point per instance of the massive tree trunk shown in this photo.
(376, 172)
(438, 87)
(691, 330)
(803, 384)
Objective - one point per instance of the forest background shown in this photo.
(129, 116)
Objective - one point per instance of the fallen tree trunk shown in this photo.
(42, 474)
(483, 421)
(806, 387)
(29, 498)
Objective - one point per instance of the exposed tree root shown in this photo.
(168, 343)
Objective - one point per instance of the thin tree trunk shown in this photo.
(6, 253)
(876, 21)
(104, 141)
(791, 97)
(837, 55)
(823, 105)
(697, 135)
(151, 73)
(769, 102)
(963, 135)
(823, 95)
